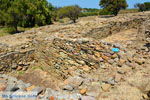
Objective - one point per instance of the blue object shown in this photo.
(115, 49)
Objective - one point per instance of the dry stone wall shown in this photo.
(15, 60)
(95, 30)
(114, 27)
(69, 57)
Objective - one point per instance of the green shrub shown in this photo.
(143, 7)
(84, 14)
(104, 12)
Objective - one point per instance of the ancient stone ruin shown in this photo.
(77, 61)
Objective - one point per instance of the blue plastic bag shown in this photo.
(115, 49)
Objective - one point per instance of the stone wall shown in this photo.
(52, 52)
(68, 57)
(16, 60)
(147, 30)
(114, 27)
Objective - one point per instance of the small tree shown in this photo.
(147, 6)
(55, 14)
(11, 13)
(143, 7)
(113, 6)
(71, 12)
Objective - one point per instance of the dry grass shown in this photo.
(128, 11)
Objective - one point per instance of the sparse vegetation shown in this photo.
(85, 14)
(21, 72)
(89, 12)
(128, 11)
(71, 12)
(104, 12)
(143, 7)
(37, 67)
(9, 30)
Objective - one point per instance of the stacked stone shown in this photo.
(80, 56)
(147, 31)
(3, 48)
(16, 60)
(14, 89)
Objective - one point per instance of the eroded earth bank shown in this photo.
(76, 61)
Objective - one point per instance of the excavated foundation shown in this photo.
(68, 63)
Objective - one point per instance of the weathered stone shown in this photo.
(116, 59)
(83, 91)
(117, 45)
(71, 62)
(145, 96)
(139, 61)
(122, 61)
(88, 98)
(68, 87)
(11, 79)
(118, 77)
(86, 68)
(105, 57)
(11, 87)
(111, 61)
(81, 62)
(84, 56)
(92, 63)
(38, 90)
(147, 88)
(94, 90)
(106, 87)
(27, 84)
(97, 54)
(75, 81)
(98, 48)
(21, 86)
(2, 86)
(19, 68)
(114, 56)
(14, 66)
(111, 81)
(101, 59)
(63, 55)
(30, 88)
(51, 98)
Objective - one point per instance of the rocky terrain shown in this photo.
(78, 61)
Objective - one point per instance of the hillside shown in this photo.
(77, 61)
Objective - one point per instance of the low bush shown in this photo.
(84, 14)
